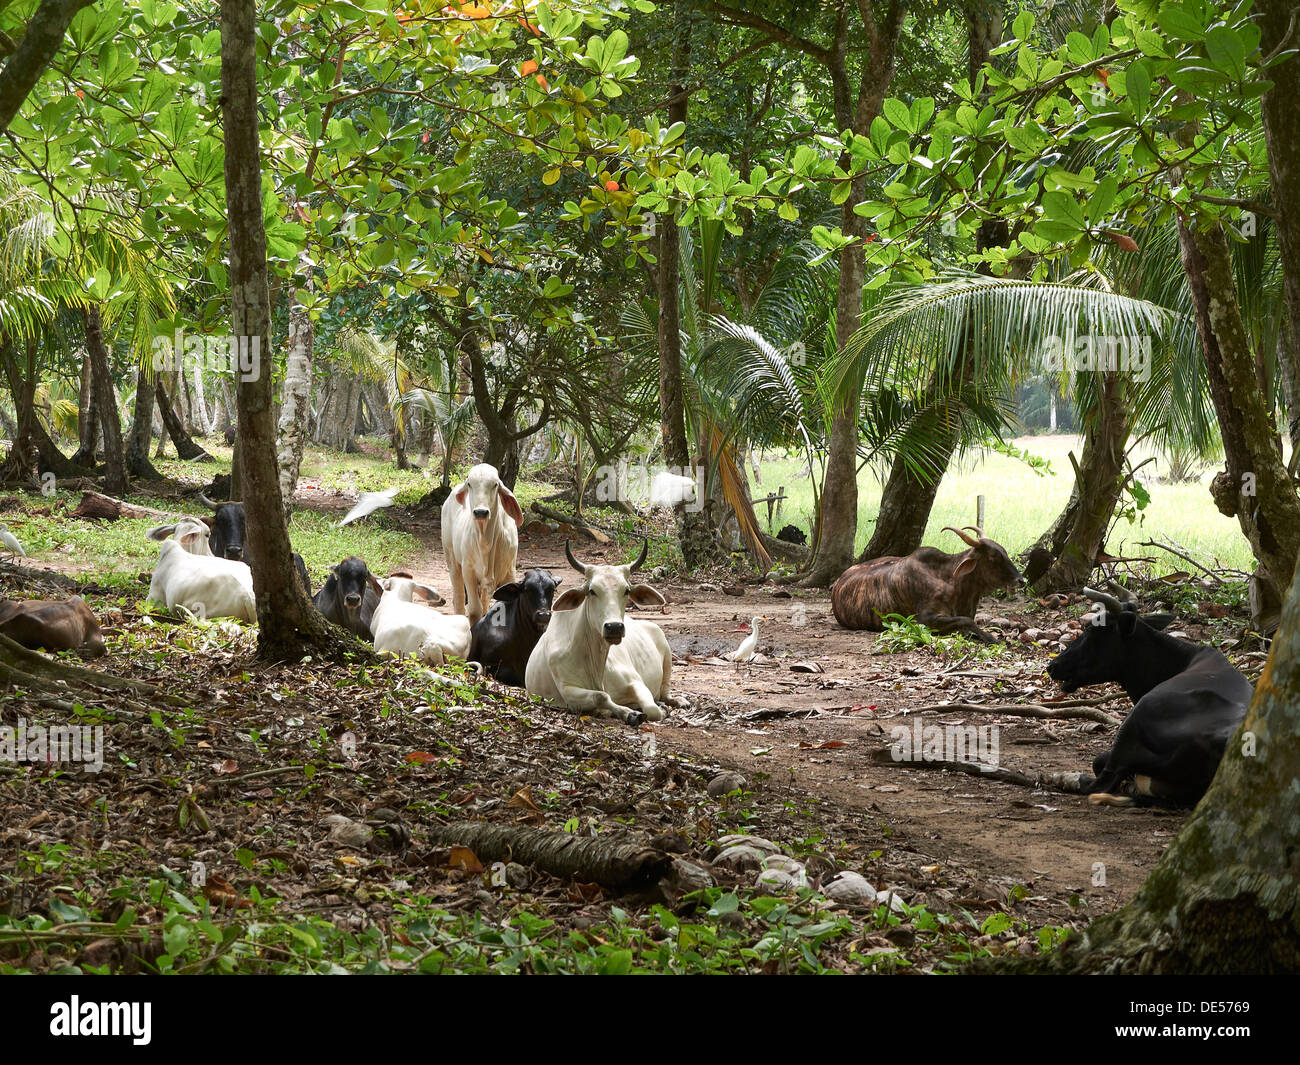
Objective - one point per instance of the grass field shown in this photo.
(1020, 503)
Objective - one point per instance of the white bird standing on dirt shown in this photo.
(745, 652)
(11, 542)
(369, 502)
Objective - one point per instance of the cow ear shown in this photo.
(209, 521)
(1159, 621)
(427, 594)
(459, 494)
(964, 566)
(375, 584)
(510, 503)
(644, 595)
(570, 600)
(508, 593)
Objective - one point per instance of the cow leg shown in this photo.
(586, 700)
(948, 623)
(457, 589)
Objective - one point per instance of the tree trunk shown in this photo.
(1281, 119)
(837, 524)
(204, 421)
(1224, 896)
(1099, 482)
(186, 448)
(87, 419)
(295, 396)
(25, 62)
(115, 482)
(1255, 487)
(694, 535)
(288, 625)
(137, 451)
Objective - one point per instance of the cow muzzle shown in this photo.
(541, 620)
(481, 513)
(613, 632)
(352, 601)
(235, 554)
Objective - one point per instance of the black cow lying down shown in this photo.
(1187, 702)
(503, 639)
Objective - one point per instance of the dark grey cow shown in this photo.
(1187, 702)
(504, 637)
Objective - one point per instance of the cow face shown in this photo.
(93, 646)
(351, 578)
(989, 563)
(482, 493)
(227, 525)
(533, 596)
(1109, 641)
(603, 597)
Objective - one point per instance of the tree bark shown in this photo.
(39, 44)
(186, 448)
(87, 419)
(1256, 487)
(288, 625)
(1099, 483)
(837, 524)
(694, 534)
(137, 451)
(115, 480)
(597, 859)
(1281, 119)
(295, 396)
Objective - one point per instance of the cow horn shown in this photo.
(568, 553)
(959, 533)
(1105, 598)
(207, 502)
(978, 531)
(640, 559)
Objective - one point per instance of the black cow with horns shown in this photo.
(1187, 702)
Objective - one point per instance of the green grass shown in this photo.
(1020, 504)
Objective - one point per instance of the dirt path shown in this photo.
(811, 736)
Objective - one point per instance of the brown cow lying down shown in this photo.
(40, 624)
(941, 591)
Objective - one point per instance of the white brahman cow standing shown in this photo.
(593, 659)
(481, 539)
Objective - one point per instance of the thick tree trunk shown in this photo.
(837, 524)
(694, 535)
(1099, 483)
(24, 64)
(186, 448)
(1225, 896)
(1256, 486)
(115, 481)
(21, 460)
(288, 625)
(137, 451)
(1281, 117)
(295, 396)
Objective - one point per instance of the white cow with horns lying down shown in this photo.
(593, 659)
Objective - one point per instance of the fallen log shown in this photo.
(619, 866)
(97, 506)
(1021, 710)
(1072, 783)
(26, 668)
(577, 524)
